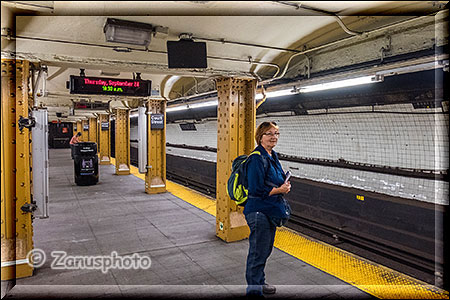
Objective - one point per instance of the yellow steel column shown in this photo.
(155, 178)
(84, 130)
(93, 130)
(74, 128)
(80, 129)
(122, 142)
(104, 140)
(24, 230)
(8, 171)
(16, 225)
(236, 120)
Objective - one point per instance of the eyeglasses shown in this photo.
(276, 134)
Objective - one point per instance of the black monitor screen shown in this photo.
(186, 54)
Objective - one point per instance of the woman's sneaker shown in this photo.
(268, 289)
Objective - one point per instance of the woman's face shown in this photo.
(270, 138)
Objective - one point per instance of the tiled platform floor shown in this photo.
(187, 259)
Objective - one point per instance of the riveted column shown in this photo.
(122, 140)
(8, 171)
(104, 140)
(155, 178)
(84, 130)
(236, 119)
(24, 230)
(74, 128)
(17, 231)
(93, 130)
(80, 129)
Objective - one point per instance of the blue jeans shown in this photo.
(262, 236)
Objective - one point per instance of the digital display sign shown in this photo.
(109, 86)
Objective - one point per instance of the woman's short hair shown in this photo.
(262, 128)
(79, 134)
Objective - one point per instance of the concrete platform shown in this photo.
(187, 259)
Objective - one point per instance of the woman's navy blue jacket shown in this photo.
(258, 189)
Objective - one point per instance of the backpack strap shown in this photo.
(266, 167)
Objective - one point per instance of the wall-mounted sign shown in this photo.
(157, 121)
(86, 127)
(109, 86)
(105, 125)
(75, 127)
(188, 126)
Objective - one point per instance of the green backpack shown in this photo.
(237, 185)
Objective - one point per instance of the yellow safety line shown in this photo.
(372, 278)
(377, 280)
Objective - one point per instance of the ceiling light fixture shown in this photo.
(192, 106)
(340, 84)
(323, 86)
(127, 32)
(292, 91)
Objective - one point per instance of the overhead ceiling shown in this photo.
(68, 35)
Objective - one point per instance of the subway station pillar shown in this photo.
(84, 130)
(236, 121)
(93, 130)
(74, 128)
(104, 143)
(80, 128)
(16, 221)
(122, 139)
(155, 177)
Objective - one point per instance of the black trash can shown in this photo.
(85, 163)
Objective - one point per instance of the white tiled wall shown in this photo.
(205, 135)
(391, 139)
(394, 138)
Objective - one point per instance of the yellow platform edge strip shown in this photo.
(377, 280)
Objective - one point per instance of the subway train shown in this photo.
(359, 91)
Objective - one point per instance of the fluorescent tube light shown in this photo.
(323, 86)
(275, 94)
(192, 106)
(339, 84)
(280, 93)
(203, 104)
(176, 108)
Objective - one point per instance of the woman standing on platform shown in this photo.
(73, 141)
(265, 208)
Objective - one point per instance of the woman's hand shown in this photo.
(283, 189)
